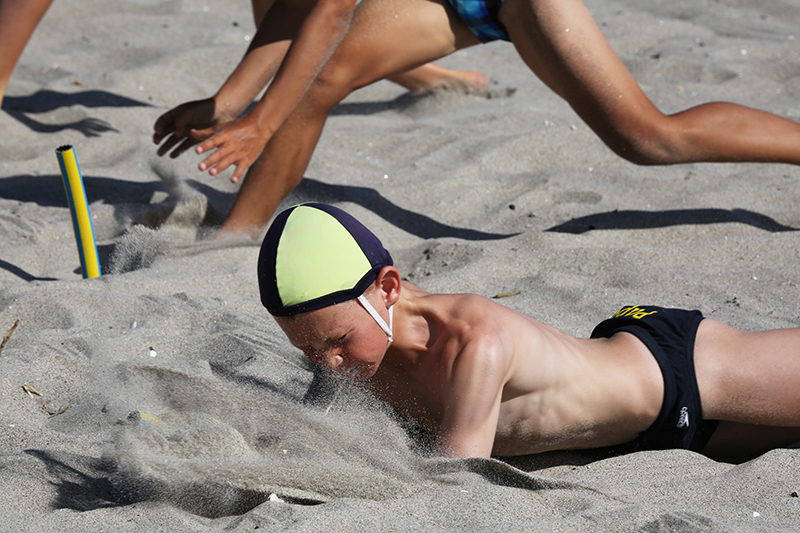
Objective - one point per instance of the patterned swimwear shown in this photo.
(480, 16)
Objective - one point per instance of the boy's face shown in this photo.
(342, 337)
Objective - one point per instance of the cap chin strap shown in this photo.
(381, 322)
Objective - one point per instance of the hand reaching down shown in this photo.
(236, 143)
(175, 127)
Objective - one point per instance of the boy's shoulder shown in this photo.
(474, 326)
(459, 303)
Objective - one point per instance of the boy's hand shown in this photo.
(237, 143)
(177, 125)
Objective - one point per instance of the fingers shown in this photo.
(239, 172)
(207, 136)
(216, 161)
(213, 138)
(229, 146)
(238, 143)
(165, 124)
(222, 163)
(210, 141)
(185, 145)
(174, 126)
(168, 144)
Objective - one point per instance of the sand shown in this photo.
(169, 401)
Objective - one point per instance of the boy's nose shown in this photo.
(329, 359)
(332, 360)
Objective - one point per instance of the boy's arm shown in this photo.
(472, 401)
(241, 141)
(257, 67)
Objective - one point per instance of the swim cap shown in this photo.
(316, 255)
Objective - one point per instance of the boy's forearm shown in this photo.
(467, 434)
(254, 71)
(463, 450)
(318, 37)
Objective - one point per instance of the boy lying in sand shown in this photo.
(338, 51)
(490, 381)
(279, 23)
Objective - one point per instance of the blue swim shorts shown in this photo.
(480, 16)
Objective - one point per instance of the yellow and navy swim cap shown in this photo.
(316, 255)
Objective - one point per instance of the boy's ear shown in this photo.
(390, 284)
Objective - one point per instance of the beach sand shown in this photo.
(168, 400)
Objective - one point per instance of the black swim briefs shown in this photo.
(669, 334)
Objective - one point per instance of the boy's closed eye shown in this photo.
(333, 343)
(339, 340)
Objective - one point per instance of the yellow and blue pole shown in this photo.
(79, 206)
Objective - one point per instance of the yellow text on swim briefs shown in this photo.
(633, 312)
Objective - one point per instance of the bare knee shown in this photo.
(329, 87)
(658, 140)
(337, 79)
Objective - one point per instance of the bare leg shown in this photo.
(432, 77)
(752, 378)
(562, 44)
(751, 381)
(426, 78)
(18, 19)
(376, 46)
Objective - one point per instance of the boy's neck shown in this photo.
(415, 330)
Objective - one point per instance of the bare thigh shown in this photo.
(563, 45)
(748, 378)
(388, 37)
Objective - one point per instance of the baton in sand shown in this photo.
(81, 219)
